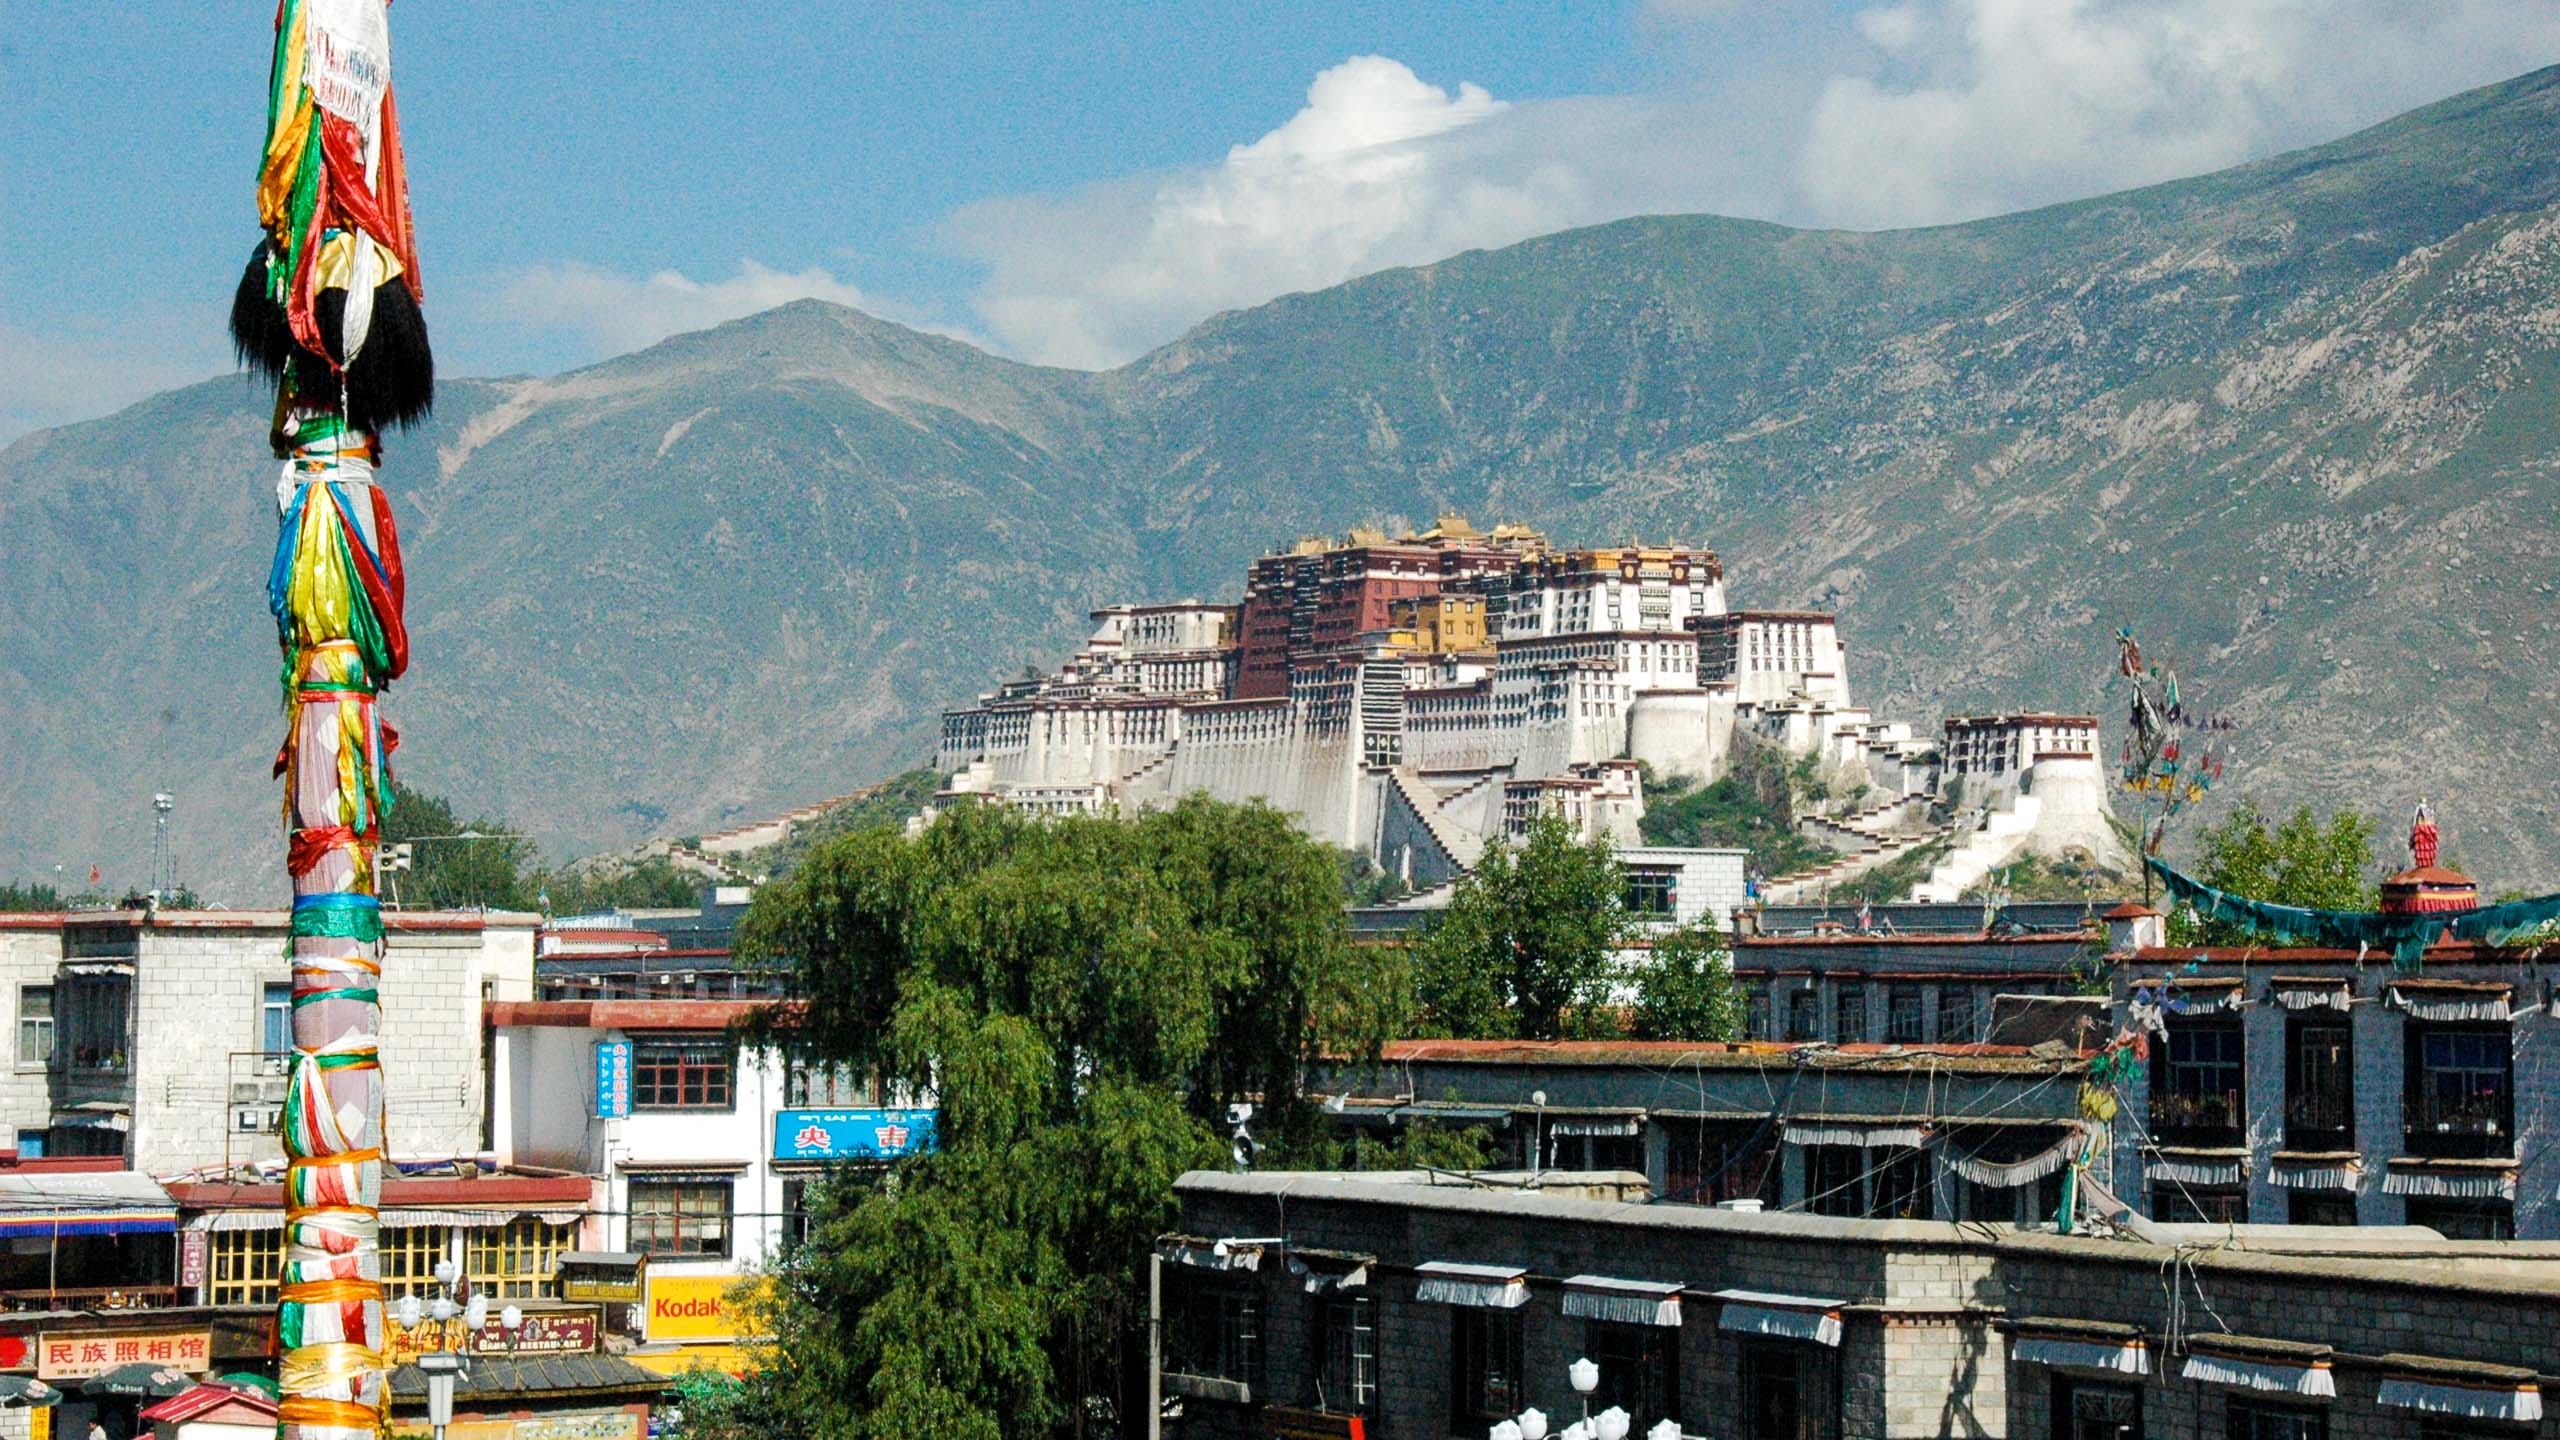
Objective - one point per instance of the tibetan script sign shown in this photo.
(852, 1134)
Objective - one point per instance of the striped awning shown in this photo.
(2010, 1174)
(2126, 1357)
(271, 1217)
(2340, 1174)
(1791, 1317)
(1486, 1287)
(2195, 1169)
(108, 1203)
(1814, 1130)
(2452, 1001)
(2456, 1387)
(1202, 1253)
(1628, 1302)
(2274, 1366)
(1319, 1271)
(1596, 1125)
(2310, 992)
(2402, 1179)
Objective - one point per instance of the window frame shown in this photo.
(691, 1061)
(2067, 1390)
(48, 1020)
(2426, 1129)
(2498, 1217)
(2319, 1083)
(1652, 1352)
(2184, 1087)
(810, 1084)
(676, 1220)
(2299, 1422)
(1487, 1355)
(1214, 1329)
(243, 1267)
(1757, 1361)
(1342, 1363)
(1958, 1018)
(1657, 887)
(275, 1017)
(1896, 1013)
(1849, 1013)
(409, 1256)
(494, 1256)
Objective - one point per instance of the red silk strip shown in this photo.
(310, 847)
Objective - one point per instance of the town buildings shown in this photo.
(1299, 1304)
(1420, 697)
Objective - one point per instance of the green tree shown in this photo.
(651, 884)
(455, 864)
(2303, 860)
(1684, 988)
(1086, 997)
(1527, 944)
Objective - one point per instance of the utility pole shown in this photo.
(1155, 1347)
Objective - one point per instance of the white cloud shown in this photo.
(1380, 168)
(1983, 106)
(614, 313)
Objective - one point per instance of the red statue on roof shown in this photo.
(2422, 836)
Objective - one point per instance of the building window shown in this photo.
(1903, 1020)
(1708, 1163)
(1835, 1180)
(1804, 1014)
(1955, 1016)
(1851, 1011)
(94, 1015)
(1214, 1328)
(517, 1259)
(2176, 1204)
(275, 1019)
(1347, 1368)
(1653, 891)
(1784, 1394)
(2262, 1420)
(1903, 1190)
(2310, 1207)
(409, 1257)
(2091, 1410)
(2461, 1100)
(692, 1073)
(1639, 1371)
(2198, 1083)
(680, 1217)
(1485, 1373)
(242, 1265)
(819, 1085)
(2465, 1219)
(35, 1026)
(1755, 1014)
(2319, 1085)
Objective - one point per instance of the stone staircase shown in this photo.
(1426, 807)
(1994, 839)
(1804, 886)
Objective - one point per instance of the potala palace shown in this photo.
(1418, 698)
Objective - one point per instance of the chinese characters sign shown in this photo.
(613, 1079)
(851, 1134)
(77, 1357)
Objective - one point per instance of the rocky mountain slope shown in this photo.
(2295, 422)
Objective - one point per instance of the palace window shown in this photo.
(1214, 1328)
(2461, 1091)
(1851, 1012)
(35, 1026)
(681, 1218)
(409, 1257)
(242, 1266)
(687, 1073)
(2320, 1085)
(1955, 1016)
(1904, 1018)
(1639, 1371)
(2465, 1219)
(2198, 1082)
(517, 1259)
(1347, 1368)
(1786, 1392)
(2263, 1420)
(1486, 1373)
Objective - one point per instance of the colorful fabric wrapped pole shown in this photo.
(329, 309)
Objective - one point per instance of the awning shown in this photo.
(2310, 992)
(271, 1217)
(116, 1202)
(1488, 1287)
(1461, 1114)
(1791, 1317)
(1324, 1270)
(2405, 1178)
(2131, 1358)
(2192, 997)
(97, 967)
(2009, 1174)
(2343, 1173)
(2456, 1387)
(104, 1119)
(1818, 1131)
(2196, 1168)
(1606, 1125)
(2277, 1367)
(1628, 1302)
(1203, 1253)
(2451, 1000)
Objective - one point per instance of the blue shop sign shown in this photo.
(613, 1079)
(851, 1134)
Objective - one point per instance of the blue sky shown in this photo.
(1076, 183)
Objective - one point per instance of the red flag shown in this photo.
(93, 875)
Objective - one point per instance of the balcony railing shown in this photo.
(2322, 1119)
(2478, 1126)
(2197, 1119)
(92, 1297)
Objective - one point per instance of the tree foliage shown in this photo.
(1086, 997)
(1684, 988)
(2303, 860)
(1526, 946)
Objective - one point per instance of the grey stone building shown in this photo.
(1298, 1304)
(1952, 1132)
(161, 1037)
(1849, 986)
(2320, 1087)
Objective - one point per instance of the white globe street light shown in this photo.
(1533, 1424)
(1585, 1376)
(1506, 1430)
(1612, 1423)
(1664, 1430)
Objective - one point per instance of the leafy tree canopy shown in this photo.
(1684, 988)
(1527, 944)
(2302, 860)
(1086, 997)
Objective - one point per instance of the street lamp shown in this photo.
(443, 1362)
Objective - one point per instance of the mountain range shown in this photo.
(2295, 423)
